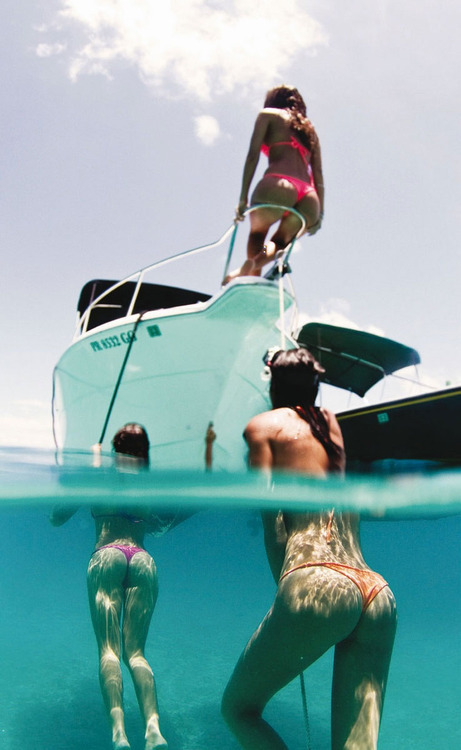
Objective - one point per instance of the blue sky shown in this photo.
(125, 125)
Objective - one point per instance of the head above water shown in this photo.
(295, 378)
(132, 440)
(286, 97)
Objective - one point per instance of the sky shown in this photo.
(124, 129)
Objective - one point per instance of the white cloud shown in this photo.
(48, 50)
(335, 312)
(190, 47)
(207, 129)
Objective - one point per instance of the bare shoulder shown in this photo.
(266, 118)
(274, 112)
(258, 424)
(268, 423)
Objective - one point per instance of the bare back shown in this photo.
(279, 439)
(273, 127)
(114, 526)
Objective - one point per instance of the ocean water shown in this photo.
(215, 587)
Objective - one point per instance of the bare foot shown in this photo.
(119, 738)
(248, 269)
(154, 738)
(159, 744)
(121, 743)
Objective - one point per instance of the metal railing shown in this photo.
(139, 276)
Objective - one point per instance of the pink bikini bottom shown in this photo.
(302, 188)
(127, 549)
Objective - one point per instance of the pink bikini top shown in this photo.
(303, 151)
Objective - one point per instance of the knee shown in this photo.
(234, 711)
(136, 660)
(282, 239)
(280, 243)
(256, 237)
(109, 659)
(129, 657)
(228, 708)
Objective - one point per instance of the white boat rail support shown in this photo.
(139, 275)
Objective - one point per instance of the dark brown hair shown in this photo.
(295, 376)
(288, 97)
(295, 383)
(132, 440)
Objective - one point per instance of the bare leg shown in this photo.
(360, 676)
(106, 571)
(278, 191)
(295, 633)
(260, 221)
(268, 190)
(140, 599)
(309, 208)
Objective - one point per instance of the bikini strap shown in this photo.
(294, 143)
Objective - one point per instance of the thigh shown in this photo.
(360, 675)
(271, 190)
(106, 572)
(309, 208)
(294, 634)
(140, 597)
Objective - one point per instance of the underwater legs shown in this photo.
(106, 571)
(140, 598)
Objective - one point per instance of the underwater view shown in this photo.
(214, 588)
(222, 250)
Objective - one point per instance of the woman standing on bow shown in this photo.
(292, 179)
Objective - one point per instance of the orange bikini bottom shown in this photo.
(368, 582)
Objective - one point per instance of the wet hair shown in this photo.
(295, 378)
(132, 440)
(288, 97)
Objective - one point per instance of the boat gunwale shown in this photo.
(398, 403)
(193, 308)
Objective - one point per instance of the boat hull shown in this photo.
(179, 370)
(421, 429)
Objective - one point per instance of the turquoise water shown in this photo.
(215, 588)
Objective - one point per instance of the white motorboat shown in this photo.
(174, 360)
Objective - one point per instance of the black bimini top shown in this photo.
(354, 360)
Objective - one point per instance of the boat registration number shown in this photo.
(110, 342)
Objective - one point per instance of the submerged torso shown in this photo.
(322, 537)
(119, 526)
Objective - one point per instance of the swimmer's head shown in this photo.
(132, 440)
(285, 97)
(295, 378)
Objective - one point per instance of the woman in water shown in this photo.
(293, 178)
(326, 595)
(123, 588)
